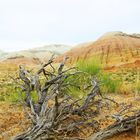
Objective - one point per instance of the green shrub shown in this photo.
(76, 87)
(137, 87)
(108, 83)
(8, 93)
(91, 65)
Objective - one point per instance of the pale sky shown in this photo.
(31, 23)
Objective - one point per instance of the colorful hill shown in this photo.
(114, 49)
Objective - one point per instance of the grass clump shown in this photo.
(108, 83)
(93, 67)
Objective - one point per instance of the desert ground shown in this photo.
(115, 61)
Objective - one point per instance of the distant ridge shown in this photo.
(35, 55)
(119, 33)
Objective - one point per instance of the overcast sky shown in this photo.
(30, 23)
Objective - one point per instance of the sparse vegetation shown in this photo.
(109, 84)
(55, 85)
(93, 67)
(123, 81)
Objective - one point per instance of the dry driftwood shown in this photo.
(118, 127)
(55, 113)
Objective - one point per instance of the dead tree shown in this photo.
(55, 114)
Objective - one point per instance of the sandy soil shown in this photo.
(13, 120)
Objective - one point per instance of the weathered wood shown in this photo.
(56, 115)
(53, 113)
(118, 127)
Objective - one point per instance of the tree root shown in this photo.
(118, 127)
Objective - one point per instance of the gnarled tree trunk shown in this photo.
(55, 114)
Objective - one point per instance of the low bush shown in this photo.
(93, 67)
